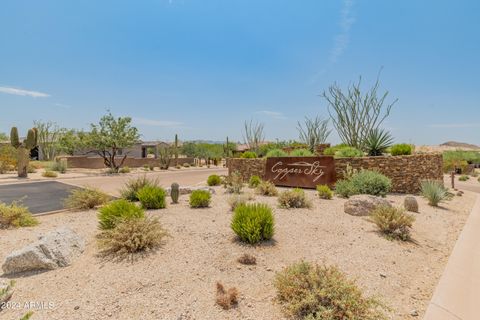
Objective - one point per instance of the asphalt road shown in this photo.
(39, 197)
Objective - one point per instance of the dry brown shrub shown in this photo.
(226, 298)
(247, 259)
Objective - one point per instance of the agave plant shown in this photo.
(377, 142)
(435, 192)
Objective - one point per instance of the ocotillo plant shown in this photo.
(23, 149)
(176, 149)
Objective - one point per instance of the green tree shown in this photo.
(108, 137)
(69, 141)
(49, 134)
(4, 137)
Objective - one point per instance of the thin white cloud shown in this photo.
(272, 114)
(157, 123)
(454, 125)
(22, 92)
(61, 105)
(343, 38)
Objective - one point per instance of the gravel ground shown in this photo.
(178, 281)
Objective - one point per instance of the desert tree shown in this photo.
(49, 134)
(356, 113)
(315, 132)
(253, 134)
(110, 136)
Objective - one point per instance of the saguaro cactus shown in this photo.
(176, 149)
(23, 149)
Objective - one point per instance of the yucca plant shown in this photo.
(435, 192)
(377, 142)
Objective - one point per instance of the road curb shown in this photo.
(457, 294)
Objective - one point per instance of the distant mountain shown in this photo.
(460, 145)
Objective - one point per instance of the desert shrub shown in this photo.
(401, 149)
(86, 198)
(253, 223)
(435, 192)
(234, 182)
(214, 180)
(27, 315)
(237, 199)
(463, 177)
(6, 292)
(58, 166)
(186, 165)
(276, 153)
(410, 203)
(131, 236)
(248, 155)
(152, 197)
(301, 153)
(8, 158)
(324, 192)
(330, 151)
(344, 188)
(49, 174)
(200, 199)
(450, 165)
(226, 298)
(393, 222)
(371, 182)
(15, 215)
(266, 188)
(31, 169)
(295, 198)
(132, 186)
(125, 169)
(116, 211)
(254, 181)
(319, 292)
(247, 259)
(348, 152)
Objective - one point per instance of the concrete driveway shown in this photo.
(39, 197)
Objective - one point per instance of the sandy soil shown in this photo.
(178, 281)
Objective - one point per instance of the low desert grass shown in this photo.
(226, 298)
(393, 222)
(324, 192)
(295, 198)
(313, 292)
(247, 259)
(86, 198)
(49, 174)
(200, 199)
(266, 188)
(435, 192)
(132, 186)
(131, 236)
(117, 211)
(15, 215)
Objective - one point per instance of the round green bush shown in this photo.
(349, 152)
(370, 182)
(152, 197)
(344, 188)
(276, 153)
(117, 211)
(200, 199)
(248, 155)
(214, 180)
(330, 151)
(253, 223)
(324, 192)
(401, 149)
(254, 181)
(301, 153)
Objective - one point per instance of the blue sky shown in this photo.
(199, 68)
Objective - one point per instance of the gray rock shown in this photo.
(188, 190)
(51, 251)
(363, 205)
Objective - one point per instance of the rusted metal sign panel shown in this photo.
(303, 172)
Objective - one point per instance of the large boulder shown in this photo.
(51, 251)
(188, 190)
(363, 205)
